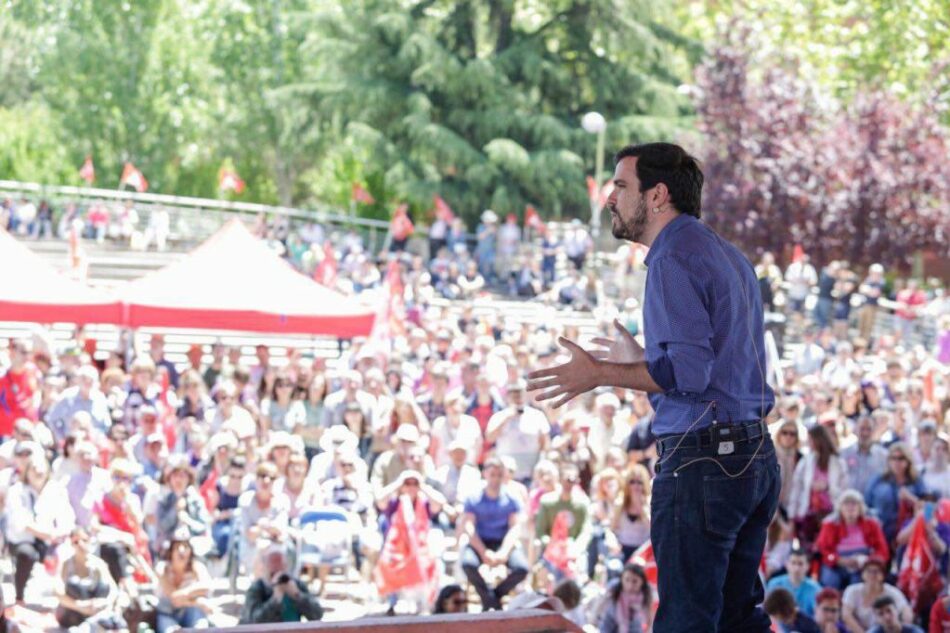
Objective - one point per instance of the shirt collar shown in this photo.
(661, 242)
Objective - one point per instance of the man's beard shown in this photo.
(632, 229)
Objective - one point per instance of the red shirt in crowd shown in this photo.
(16, 398)
(833, 531)
(940, 616)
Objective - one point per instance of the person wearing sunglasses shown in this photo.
(264, 517)
(893, 494)
(451, 599)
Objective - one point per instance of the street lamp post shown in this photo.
(595, 123)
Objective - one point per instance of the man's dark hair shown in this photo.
(883, 602)
(674, 167)
(799, 552)
(780, 603)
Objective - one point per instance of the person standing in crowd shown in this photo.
(872, 291)
(519, 431)
(826, 286)
(19, 388)
(819, 478)
(491, 523)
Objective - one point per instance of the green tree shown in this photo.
(481, 101)
(126, 83)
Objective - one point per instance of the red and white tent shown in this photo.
(32, 290)
(235, 282)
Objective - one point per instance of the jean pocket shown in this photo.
(728, 502)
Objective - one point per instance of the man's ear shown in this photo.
(661, 196)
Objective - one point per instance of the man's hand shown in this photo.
(292, 589)
(569, 380)
(623, 349)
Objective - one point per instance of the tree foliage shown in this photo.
(788, 164)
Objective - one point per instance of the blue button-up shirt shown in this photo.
(703, 323)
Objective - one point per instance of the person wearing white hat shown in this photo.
(458, 480)
(872, 289)
(392, 463)
(455, 426)
(335, 442)
(608, 427)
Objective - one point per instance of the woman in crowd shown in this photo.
(311, 427)
(228, 489)
(181, 506)
(631, 522)
(35, 521)
(847, 540)
(858, 599)
(300, 497)
(195, 403)
(819, 479)
(118, 526)
(628, 606)
(279, 411)
(184, 588)
(894, 493)
(605, 495)
(451, 599)
(264, 516)
(788, 453)
(87, 590)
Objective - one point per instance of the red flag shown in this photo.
(405, 561)
(88, 172)
(919, 575)
(798, 253)
(645, 558)
(361, 195)
(167, 419)
(209, 490)
(228, 180)
(442, 209)
(132, 177)
(532, 219)
(598, 197)
(325, 272)
(556, 552)
(401, 226)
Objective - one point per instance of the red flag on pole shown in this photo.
(919, 575)
(361, 195)
(228, 180)
(598, 196)
(88, 171)
(132, 177)
(442, 209)
(532, 219)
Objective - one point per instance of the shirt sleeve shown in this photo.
(681, 327)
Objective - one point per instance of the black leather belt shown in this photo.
(742, 432)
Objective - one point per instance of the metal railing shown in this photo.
(194, 219)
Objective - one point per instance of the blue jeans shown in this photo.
(517, 571)
(838, 577)
(708, 532)
(221, 534)
(185, 618)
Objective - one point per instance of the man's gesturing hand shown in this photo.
(569, 380)
(623, 349)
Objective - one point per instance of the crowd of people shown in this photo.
(422, 468)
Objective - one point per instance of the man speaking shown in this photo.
(717, 482)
